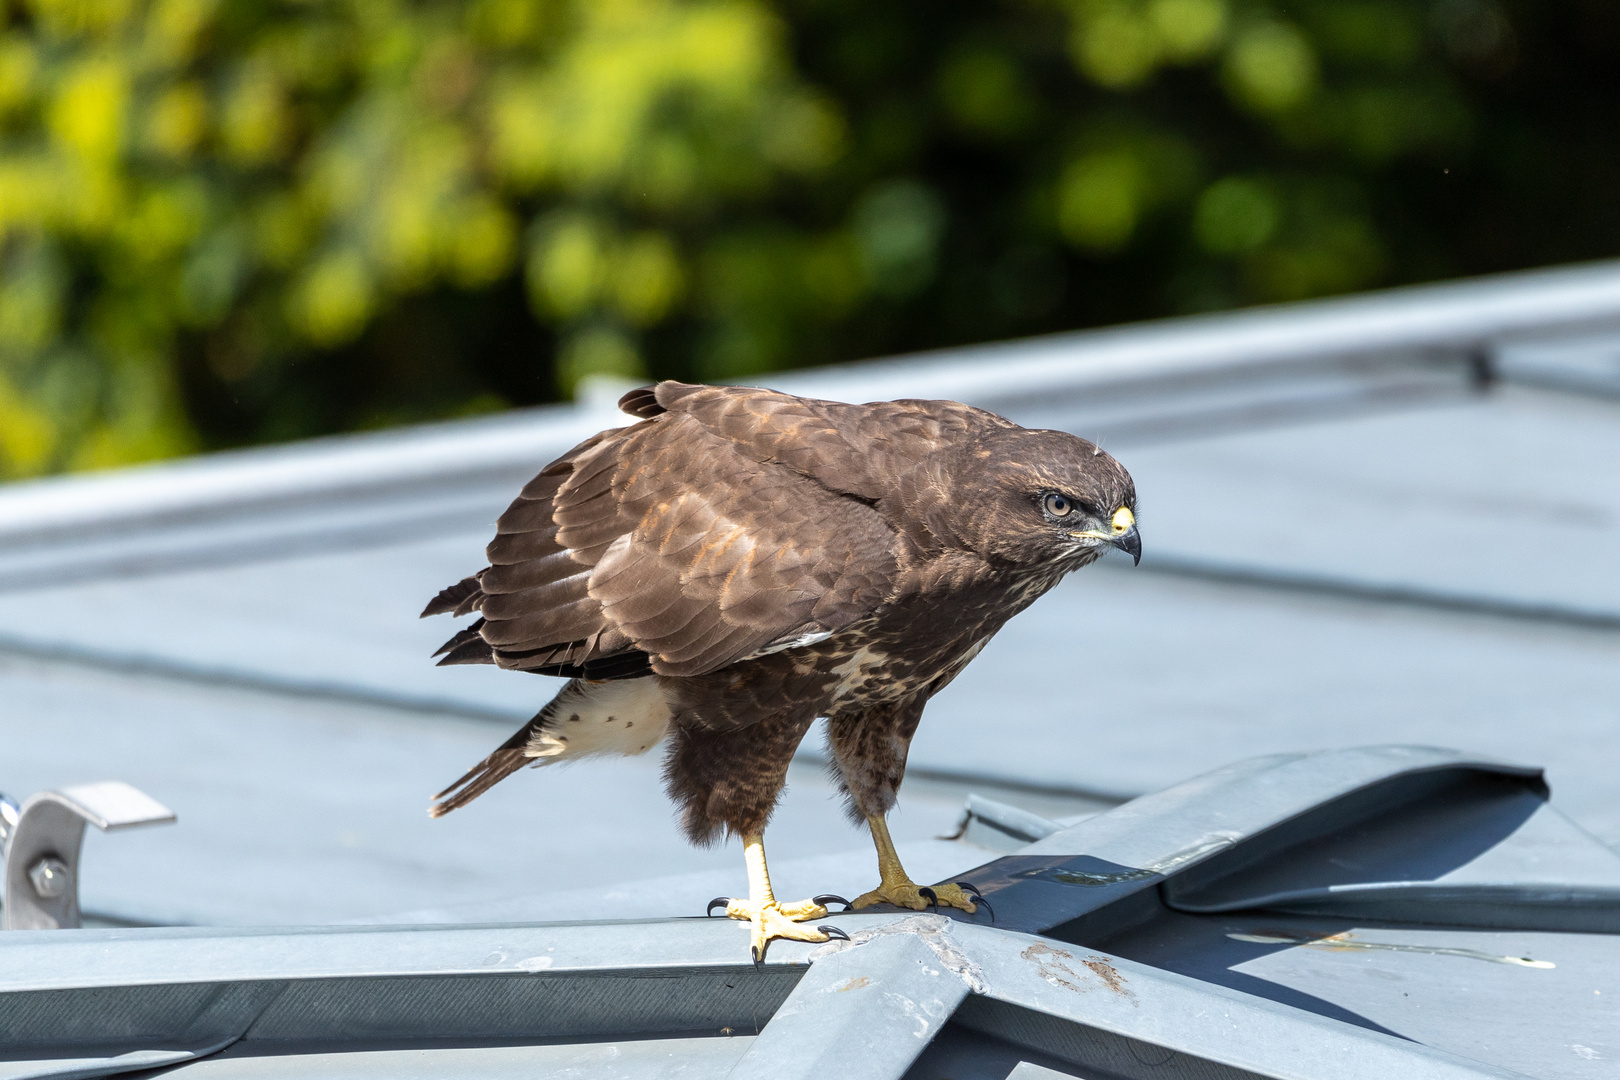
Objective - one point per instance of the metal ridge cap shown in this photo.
(242, 478)
(1438, 891)
(142, 956)
(1107, 858)
(1201, 1019)
(1460, 313)
(1185, 823)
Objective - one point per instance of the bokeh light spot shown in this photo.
(1100, 198)
(898, 226)
(1271, 67)
(1188, 29)
(1235, 214)
(1115, 46)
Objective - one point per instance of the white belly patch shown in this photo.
(625, 717)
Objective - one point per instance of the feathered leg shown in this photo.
(729, 780)
(869, 754)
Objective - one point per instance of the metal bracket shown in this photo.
(42, 840)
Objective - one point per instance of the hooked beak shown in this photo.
(1129, 542)
(1125, 537)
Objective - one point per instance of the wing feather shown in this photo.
(719, 527)
(530, 573)
(454, 598)
(553, 594)
(562, 623)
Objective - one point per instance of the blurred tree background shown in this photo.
(233, 221)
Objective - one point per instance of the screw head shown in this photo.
(50, 877)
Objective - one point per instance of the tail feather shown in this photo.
(479, 779)
(507, 759)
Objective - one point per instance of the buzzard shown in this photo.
(737, 563)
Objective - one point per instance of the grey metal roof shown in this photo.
(1123, 946)
(1382, 519)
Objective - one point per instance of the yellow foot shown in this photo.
(908, 894)
(772, 920)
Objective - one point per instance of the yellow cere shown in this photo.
(1123, 519)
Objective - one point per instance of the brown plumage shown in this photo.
(739, 562)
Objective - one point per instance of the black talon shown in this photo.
(978, 897)
(759, 958)
(833, 932)
(825, 898)
(719, 901)
(933, 898)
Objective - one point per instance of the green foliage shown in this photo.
(225, 221)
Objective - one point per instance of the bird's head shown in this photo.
(1038, 498)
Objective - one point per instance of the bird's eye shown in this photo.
(1057, 505)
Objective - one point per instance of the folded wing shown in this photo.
(681, 544)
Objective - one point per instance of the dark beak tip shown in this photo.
(1131, 544)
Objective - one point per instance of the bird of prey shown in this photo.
(737, 563)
